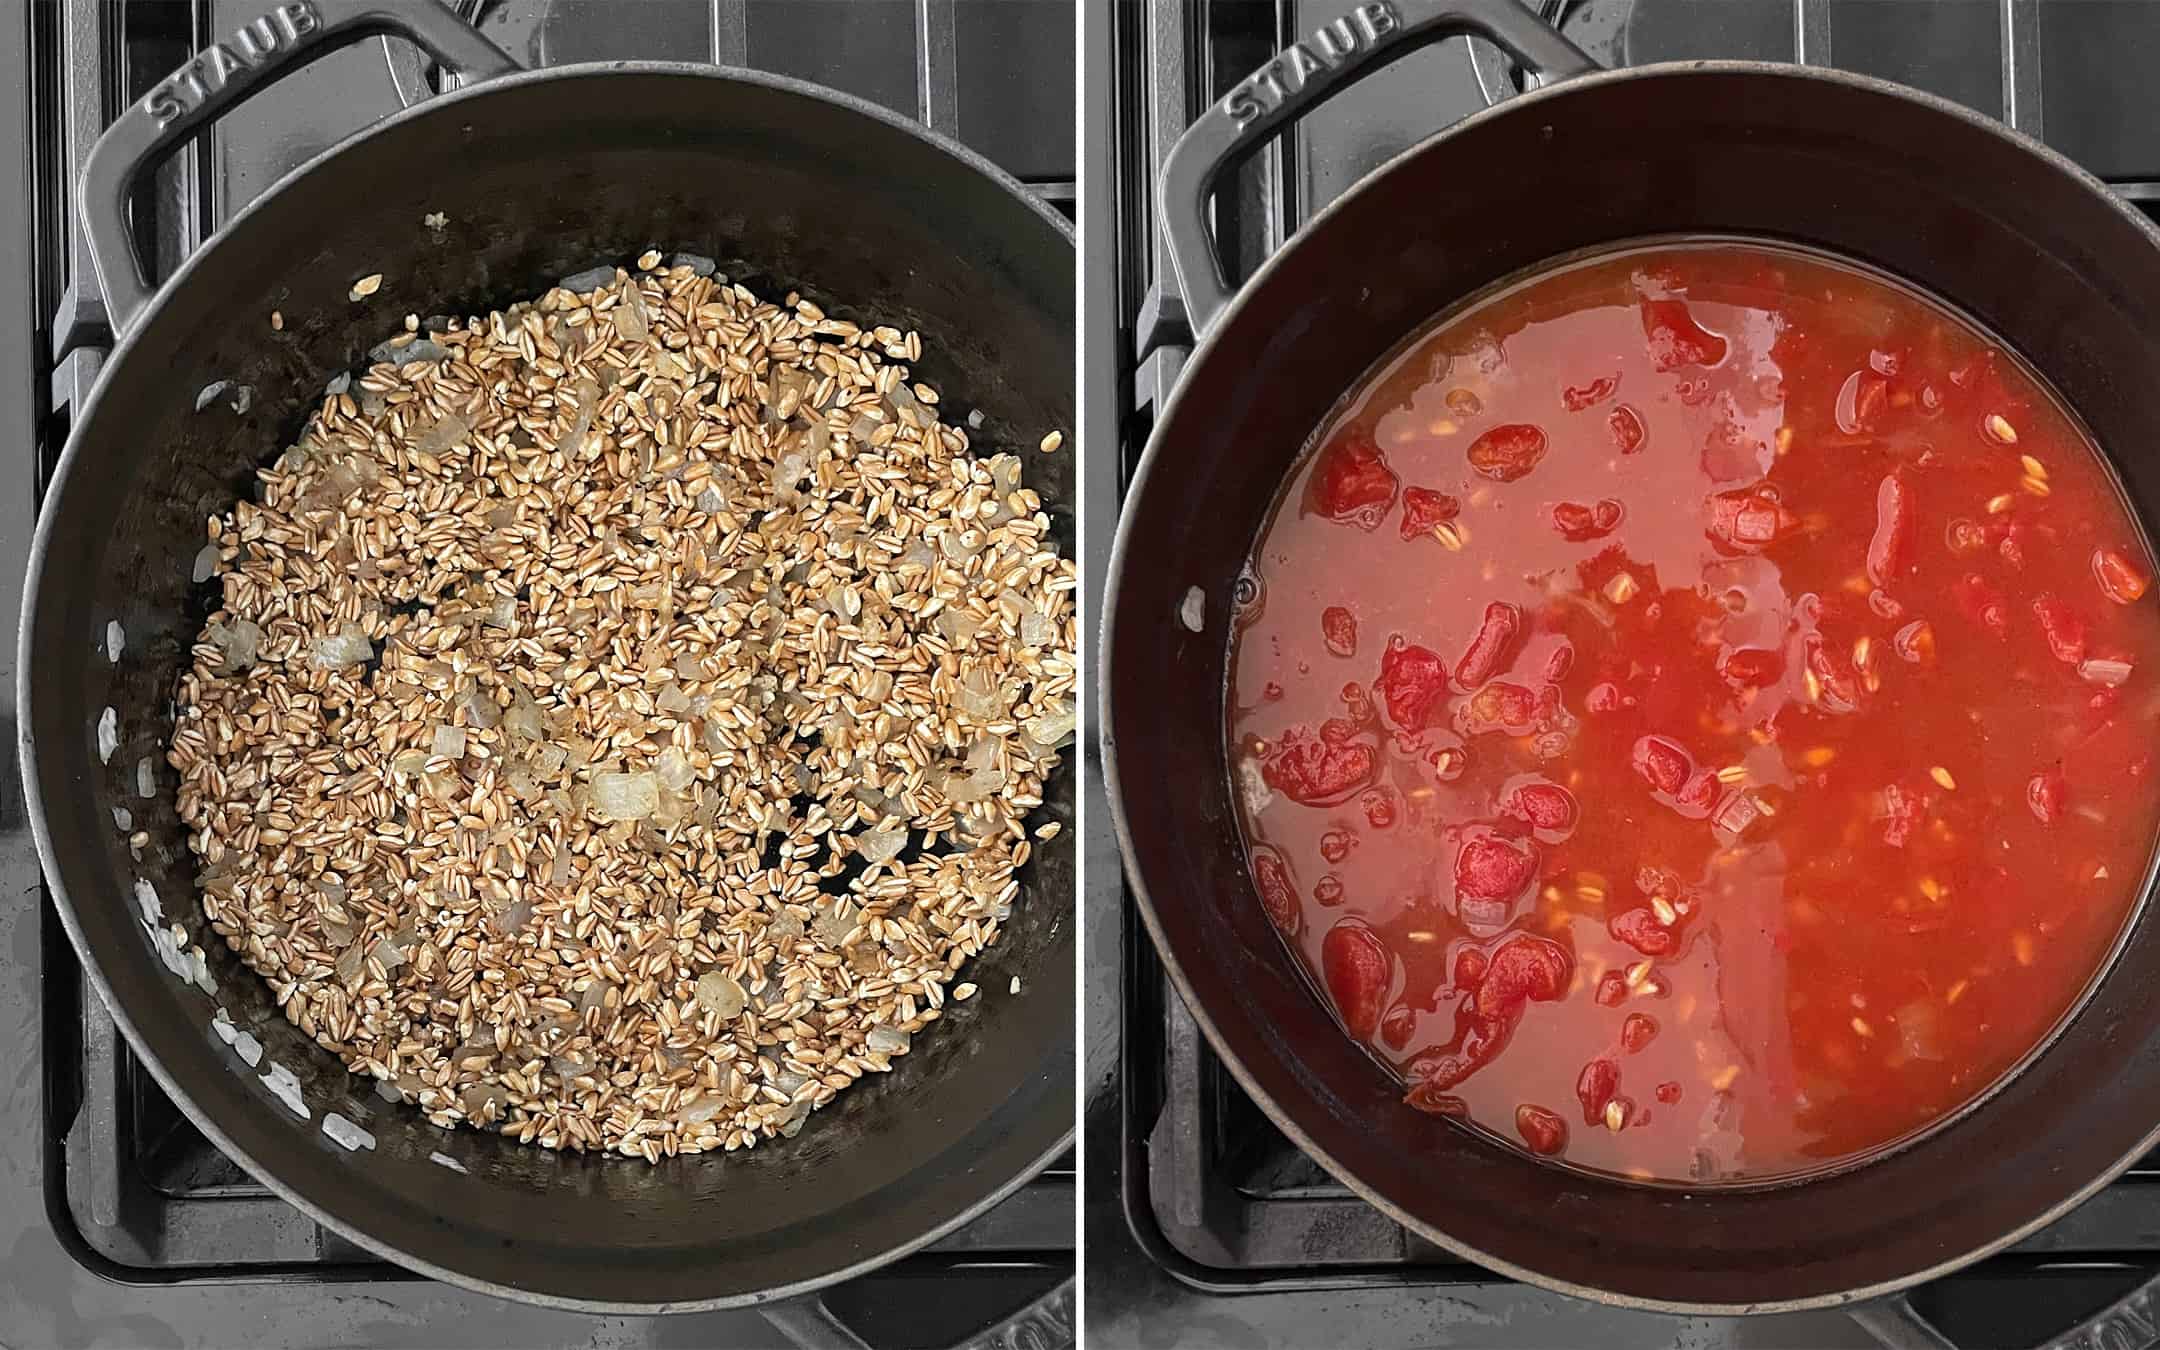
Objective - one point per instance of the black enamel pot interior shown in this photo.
(538, 176)
(2033, 247)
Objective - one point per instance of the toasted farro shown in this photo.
(618, 729)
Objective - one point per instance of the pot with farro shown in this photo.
(549, 669)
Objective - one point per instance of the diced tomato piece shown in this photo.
(1639, 928)
(1982, 603)
(1668, 1094)
(1892, 545)
(1626, 426)
(1525, 968)
(1664, 764)
(1860, 401)
(1579, 523)
(2121, 580)
(1675, 338)
(1915, 642)
(1611, 989)
(1594, 1087)
(1543, 1132)
(1335, 845)
(1835, 688)
(1352, 482)
(1471, 963)
(1328, 890)
(1398, 1026)
(2065, 631)
(1698, 797)
(1312, 772)
(1490, 866)
(1512, 708)
(1509, 451)
(1903, 810)
(1338, 731)
(1338, 629)
(1423, 508)
(1488, 651)
(1604, 697)
(1747, 521)
(1278, 890)
(1380, 811)
(1542, 806)
(1439, 1070)
(1637, 1032)
(1559, 662)
(1577, 397)
(1357, 967)
(2044, 794)
(1412, 685)
(1752, 666)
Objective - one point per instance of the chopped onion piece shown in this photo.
(2098, 670)
(719, 995)
(631, 320)
(350, 648)
(673, 770)
(625, 796)
(878, 846)
(522, 720)
(1054, 727)
(502, 613)
(449, 742)
(206, 563)
(884, 1040)
(482, 709)
(409, 762)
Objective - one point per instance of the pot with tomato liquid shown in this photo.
(1692, 714)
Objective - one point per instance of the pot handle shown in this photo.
(1301, 78)
(223, 75)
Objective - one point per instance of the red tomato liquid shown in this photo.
(1693, 714)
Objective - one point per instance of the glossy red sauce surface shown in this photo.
(1694, 715)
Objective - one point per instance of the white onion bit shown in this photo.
(625, 796)
(2100, 671)
(108, 735)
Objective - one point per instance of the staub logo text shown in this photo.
(216, 65)
(1329, 46)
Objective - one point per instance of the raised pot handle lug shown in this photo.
(223, 75)
(1301, 78)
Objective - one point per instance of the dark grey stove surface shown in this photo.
(119, 1224)
(1204, 1226)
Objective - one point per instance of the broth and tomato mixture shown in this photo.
(1694, 713)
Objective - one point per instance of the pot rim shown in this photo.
(1528, 103)
(445, 104)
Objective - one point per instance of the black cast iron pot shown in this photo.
(1958, 204)
(539, 175)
